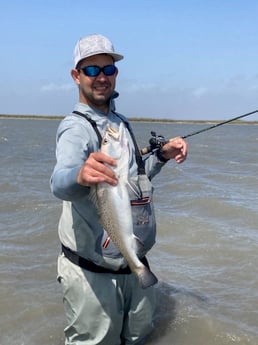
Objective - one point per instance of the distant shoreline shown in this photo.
(133, 119)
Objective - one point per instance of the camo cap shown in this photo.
(93, 45)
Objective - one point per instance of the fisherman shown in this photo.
(103, 300)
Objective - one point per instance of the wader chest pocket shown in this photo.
(144, 221)
(141, 213)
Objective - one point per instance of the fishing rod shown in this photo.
(157, 141)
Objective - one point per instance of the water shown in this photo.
(207, 244)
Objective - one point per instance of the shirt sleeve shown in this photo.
(153, 166)
(72, 149)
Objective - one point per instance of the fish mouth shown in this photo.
(114, 133)
(111, 133)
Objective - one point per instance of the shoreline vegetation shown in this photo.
(133, 119)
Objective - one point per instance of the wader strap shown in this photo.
(90, 266)
(93, 123)
(138, 156)
(139, 160)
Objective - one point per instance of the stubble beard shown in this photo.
(97, 97)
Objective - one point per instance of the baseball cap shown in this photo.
(93, 45)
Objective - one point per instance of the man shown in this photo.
(103, 301)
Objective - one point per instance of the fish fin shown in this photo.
(93, 196)
(134, 188)
(146, 277)
(139, 245)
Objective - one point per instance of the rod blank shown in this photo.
(218, 124)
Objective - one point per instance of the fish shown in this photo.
(115, 207)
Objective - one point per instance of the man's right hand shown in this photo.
(96, 170)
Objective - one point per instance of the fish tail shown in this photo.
(146, 277)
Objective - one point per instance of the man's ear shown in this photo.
(76, 76)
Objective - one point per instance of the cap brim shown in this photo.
(115, 56)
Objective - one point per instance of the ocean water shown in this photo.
(207, 243)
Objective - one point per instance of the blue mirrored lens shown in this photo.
(91, 71)
(109, 70)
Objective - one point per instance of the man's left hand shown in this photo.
(176, 149)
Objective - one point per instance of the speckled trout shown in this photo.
(115, 207)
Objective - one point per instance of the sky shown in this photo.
(183, 59)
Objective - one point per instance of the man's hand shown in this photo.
(176, 149)
(95, 170)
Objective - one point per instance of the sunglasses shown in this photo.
(94, 71)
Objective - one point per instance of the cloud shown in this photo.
(199, 92)
(135, 86)
(52, 87)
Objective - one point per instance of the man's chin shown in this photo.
(103, 98)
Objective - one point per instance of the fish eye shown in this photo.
(105, 141)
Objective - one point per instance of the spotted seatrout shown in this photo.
(115, 208)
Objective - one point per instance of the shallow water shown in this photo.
(207, 244)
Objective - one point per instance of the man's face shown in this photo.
(95, 91)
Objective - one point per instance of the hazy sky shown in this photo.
(183, 59)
